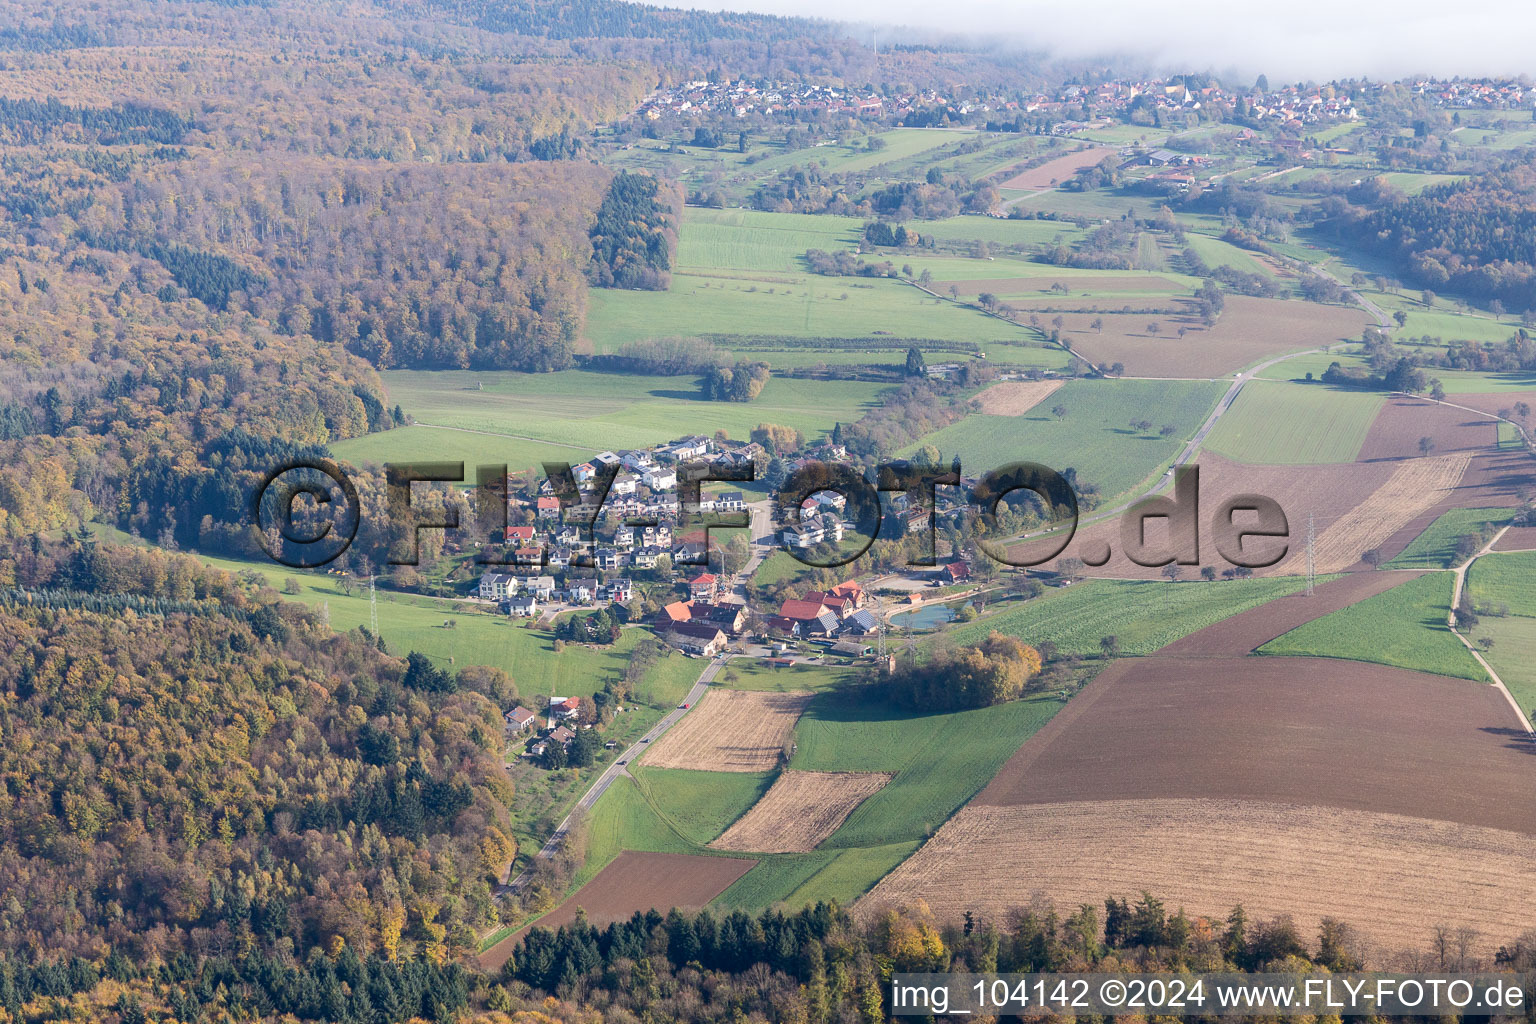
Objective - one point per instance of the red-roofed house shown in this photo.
(841, 604)
(519, 719)
(562, 708)
(547, 508)
(814, 617)
(670, 615)
(703, 587)
(852, 590)
(521, 534)
(956, 571)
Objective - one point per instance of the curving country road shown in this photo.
(620, 766)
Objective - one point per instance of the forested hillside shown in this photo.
(192, 766)
(1475, 237)
(216, 220)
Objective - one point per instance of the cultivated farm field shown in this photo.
(1392, 877)
(800, 811)
(1435, 548)
(1415, 486)
(1283, 424)
(1059, 171)
(1094, 437)
(1143, 614)
(1248, 330)
(1405, 626)
(731, 731)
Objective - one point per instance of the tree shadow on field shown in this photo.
(676, 396)
(1516, 739)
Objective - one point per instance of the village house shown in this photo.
(621, 591)
(541, 587)
(814, 618)
(519, 720)
(841, 604)
(730, 501)
(700, 638)
(547, 507)
(672, 614)
(524, 604)
(703, 587)
(562, 709)
(659, 479)
(956, 571)
(861, 623)
(497, 586)
(729, 617)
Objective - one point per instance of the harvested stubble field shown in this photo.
(1250, 630)
(800, 811)
(1294, 730)
(1015, 397)
(1059, 171)
(1390, 876)
(731, 731)
(1248, 330)
(637, 882)
(1415, 487)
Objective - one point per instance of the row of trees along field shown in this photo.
(820, 964)
(233, 776)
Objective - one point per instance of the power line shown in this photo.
(1311, 552)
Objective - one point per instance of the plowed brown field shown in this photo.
(1517, 538)
(1392, 877)
(1299, 730)
(731, 731)
(1416, 486)
(1327, 491)
(1058, 171)
(1248, 330)
(636, 881)
(800, 811)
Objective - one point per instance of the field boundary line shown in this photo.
(1461, 578)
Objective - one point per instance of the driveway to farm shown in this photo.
(1461, 580)
(619, 767)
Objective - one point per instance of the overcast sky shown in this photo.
(1286, 39)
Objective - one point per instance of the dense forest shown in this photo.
(235, 778)
(1475, 237)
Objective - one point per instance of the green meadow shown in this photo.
(1435, 548)
(1143, 615)
(1094, 437)
(564, 416)
(409, 622)
(1275, 423)
(1505, 579)
(1405, 627)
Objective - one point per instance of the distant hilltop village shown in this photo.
(1305, 104)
